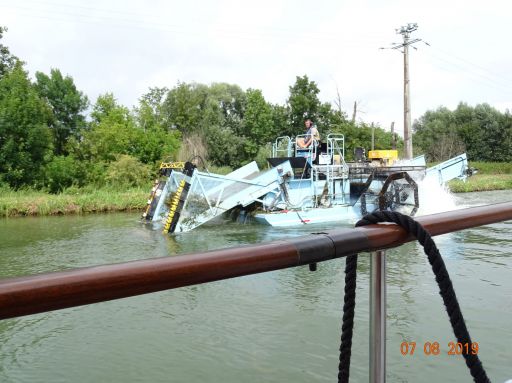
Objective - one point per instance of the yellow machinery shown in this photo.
(383, 157)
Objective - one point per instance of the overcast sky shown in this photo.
(125, 47)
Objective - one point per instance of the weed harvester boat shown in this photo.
(302, 186)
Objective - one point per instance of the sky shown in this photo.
(125, 47)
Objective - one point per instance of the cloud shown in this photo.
(127, 46)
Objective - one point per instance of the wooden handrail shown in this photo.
(51, 291)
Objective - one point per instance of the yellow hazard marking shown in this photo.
(174, 205)
(172, 165)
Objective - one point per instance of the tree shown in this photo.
(506, 155)
(257, 122)
(184, 105)
(227, 148)
(225, 107)
(155, 145)
(436, 134)
(447, 145)
(326, 117)
(106, 109)
(492, 145)
(280, 123)
(214, 112)
(7, 60)
(303, 102)
(155, 135)
(463, 122)
(67, 104)
(483, 131)
(150, 113)
(112, 131)
(25, 139)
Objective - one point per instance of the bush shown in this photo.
(61, 173)
(4, 187)
(127, 171)
(225, 148)
(95, 173)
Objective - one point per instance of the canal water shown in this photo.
(274, 327)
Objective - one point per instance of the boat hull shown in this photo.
(342, 213)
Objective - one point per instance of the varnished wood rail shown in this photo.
(51, 291)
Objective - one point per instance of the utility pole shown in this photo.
(373, 136)
(393, 137)
(406, 31)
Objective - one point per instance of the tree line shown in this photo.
(52, 137)
(482, 131)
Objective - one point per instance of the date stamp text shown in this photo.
(435, 348)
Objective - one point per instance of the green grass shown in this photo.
(77, 201)
(482, 182)
(489, 176)
(72, 201)
(486, 167)
(492, 167)
(222, 170)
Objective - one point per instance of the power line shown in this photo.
(370, 37)
(482, 75)
(451, 66)
(226, 30)
(486, 71)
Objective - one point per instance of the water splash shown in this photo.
(435, 198)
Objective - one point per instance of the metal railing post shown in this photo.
(378, 317)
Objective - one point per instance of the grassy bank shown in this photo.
(73, 201)
(492, 167)
(77, 201)
(490, 176)
(482, 182)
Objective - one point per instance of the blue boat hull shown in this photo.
(341, 213)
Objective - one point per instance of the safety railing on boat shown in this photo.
(336, 145)
(309, 151)
(282, 147)
(52, 291)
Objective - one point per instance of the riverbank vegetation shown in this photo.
(88, 156)
(70, 201)
(482, 182)
(489, 176)
(26, 202)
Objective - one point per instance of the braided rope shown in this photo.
(445, 289)
(348, 318)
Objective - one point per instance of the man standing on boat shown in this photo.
(312, 134)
